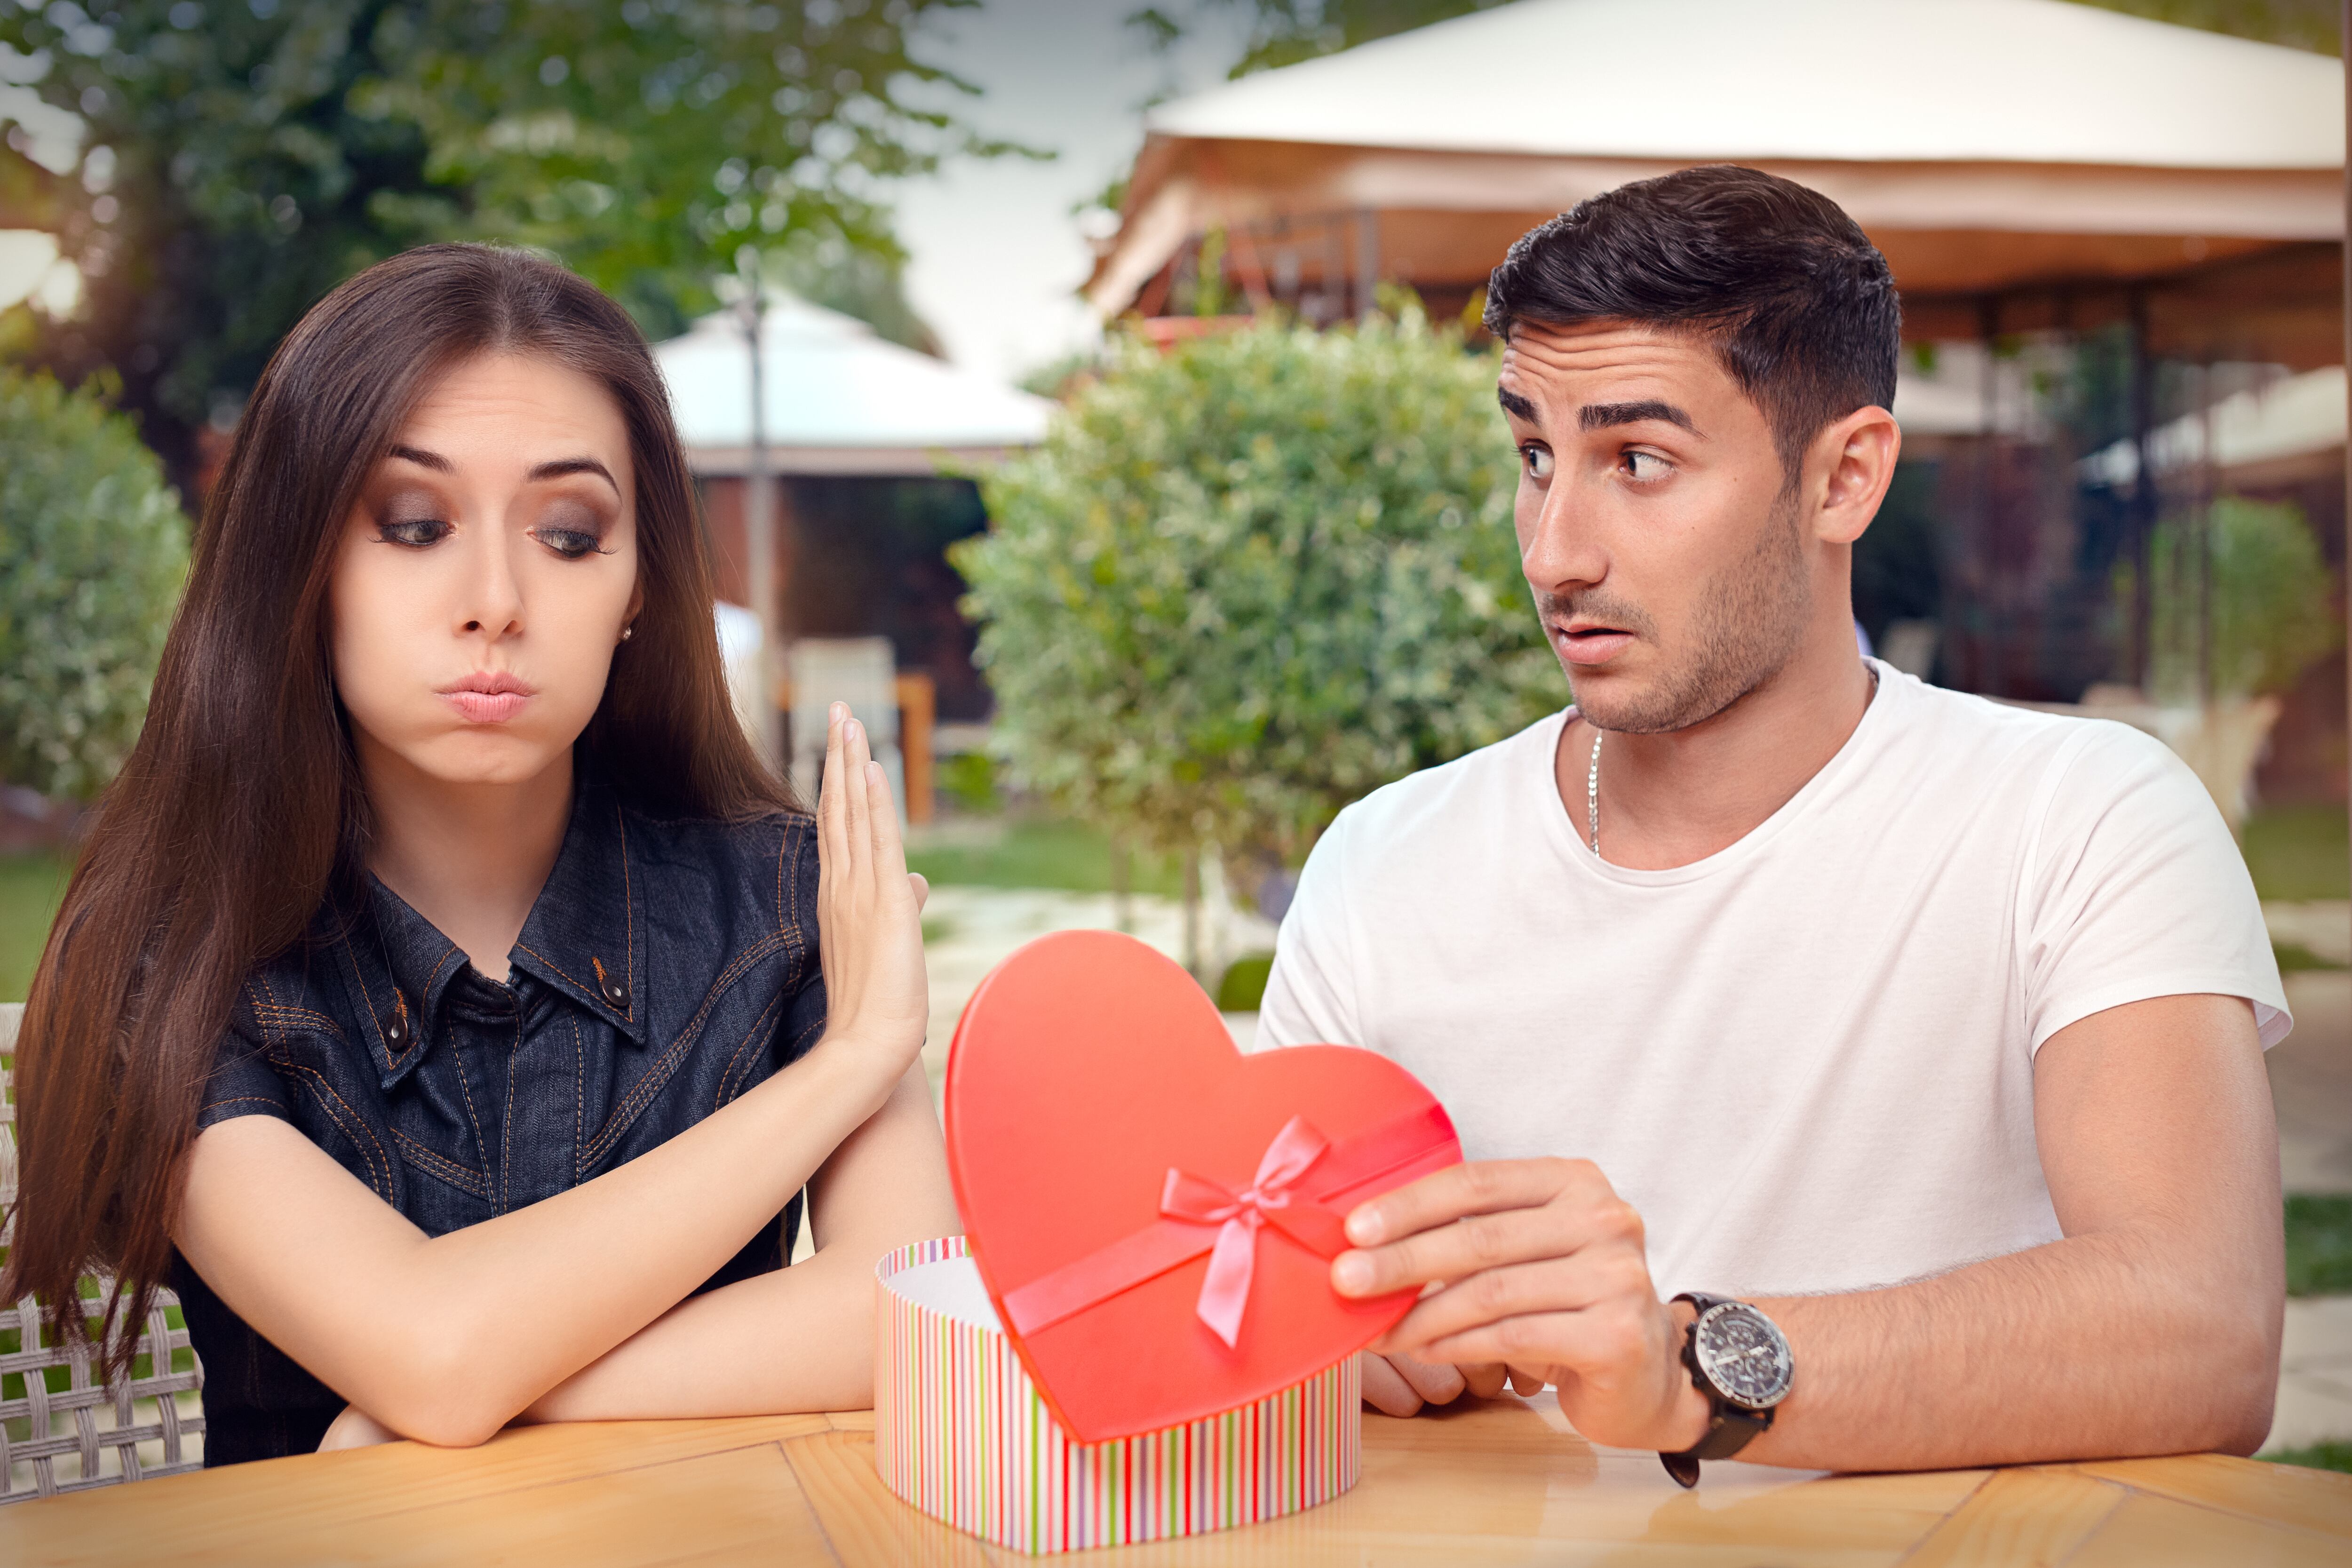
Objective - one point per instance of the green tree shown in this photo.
(93, 548)
(243, 156)
(2256, 607)
(1249, 580)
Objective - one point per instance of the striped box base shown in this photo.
(960, 1433)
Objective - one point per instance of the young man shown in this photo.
(1919, 1037)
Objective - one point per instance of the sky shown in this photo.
(996, 254)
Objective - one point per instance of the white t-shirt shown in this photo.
(1808, 1060)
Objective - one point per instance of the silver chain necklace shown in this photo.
(1593, 793)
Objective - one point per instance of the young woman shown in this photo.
(447, 1003)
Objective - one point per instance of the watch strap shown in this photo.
(1730, 1427)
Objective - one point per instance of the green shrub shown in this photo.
(2318, 1244)
(1246, 580)
(93, 549)
(1244, 985)
(2256, 606)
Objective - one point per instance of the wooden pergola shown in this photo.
(2022, 163)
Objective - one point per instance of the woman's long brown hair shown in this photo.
(241, 806)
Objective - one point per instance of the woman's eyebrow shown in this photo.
(562, 465)
(423, 459)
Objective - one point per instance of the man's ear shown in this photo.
(1858, 453)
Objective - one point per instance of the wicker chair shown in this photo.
(121, 1431)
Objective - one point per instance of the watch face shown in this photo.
(1743, 1354)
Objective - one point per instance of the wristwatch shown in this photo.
(1739, 1359)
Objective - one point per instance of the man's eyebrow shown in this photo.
(562, 465)
(1600, 416)
(423, 459)
(1515, 406)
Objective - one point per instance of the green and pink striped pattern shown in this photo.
(960, 1433)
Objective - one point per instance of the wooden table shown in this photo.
(1500, 1482)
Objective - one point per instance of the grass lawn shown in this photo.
(2298, 852)
(2333, 1455)
(2318, 1244)
(30, 888)
(1038, 852)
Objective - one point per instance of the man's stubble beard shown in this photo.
(1749, 625)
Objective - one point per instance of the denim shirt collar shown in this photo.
(585, 937)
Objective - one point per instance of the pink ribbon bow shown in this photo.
(1371, 1159)
(1197, 1200)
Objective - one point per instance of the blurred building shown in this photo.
(2100, 225)
(868, 445)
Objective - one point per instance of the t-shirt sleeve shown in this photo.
(243, 1083)
(2134, 889)
(1310, 996)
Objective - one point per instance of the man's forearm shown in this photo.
(2094, 1346)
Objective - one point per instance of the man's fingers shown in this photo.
(1527, 1381)
(1385, 1389)
(1563, 1338)
(1548, 1285)
(1479, 1187)
(1485, 1381)
(1435, 1382)
(1482, 1241)
(922, 889)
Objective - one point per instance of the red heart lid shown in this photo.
(1153, 1212)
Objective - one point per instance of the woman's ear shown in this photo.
(1861, 450)
(636, 607)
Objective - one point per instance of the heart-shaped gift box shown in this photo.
(1152, 1213)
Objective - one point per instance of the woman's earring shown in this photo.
(628, 631)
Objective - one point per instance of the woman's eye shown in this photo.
(1538, 461)
(1644, 467)
(570, 544)
(416, 532)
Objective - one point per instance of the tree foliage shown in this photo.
(95, 548)
(1245, 582)
(2256, 607)
(243, 156)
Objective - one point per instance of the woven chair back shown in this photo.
(62, 1429)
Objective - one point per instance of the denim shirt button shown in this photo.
(611, 988)
(396, 1028)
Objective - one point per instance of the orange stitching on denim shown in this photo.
(559, 969)
(506, 1124)
(458, 1061)
(326, 1091)
(578, 1094)
(628, 911)
(437, 1164)
(367, 997)
(758, 1024)
(658, 1073)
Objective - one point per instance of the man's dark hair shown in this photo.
(1794, 297)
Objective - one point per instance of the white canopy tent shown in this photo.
(1985, 144)
(840, 399)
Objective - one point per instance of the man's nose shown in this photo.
(1562, 549)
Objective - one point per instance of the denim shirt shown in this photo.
(666, 967)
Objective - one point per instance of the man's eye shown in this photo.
(1538, 461)
(416, 532)
(569, 543)
(1644, 467)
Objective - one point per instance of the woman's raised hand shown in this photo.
(869, 910)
